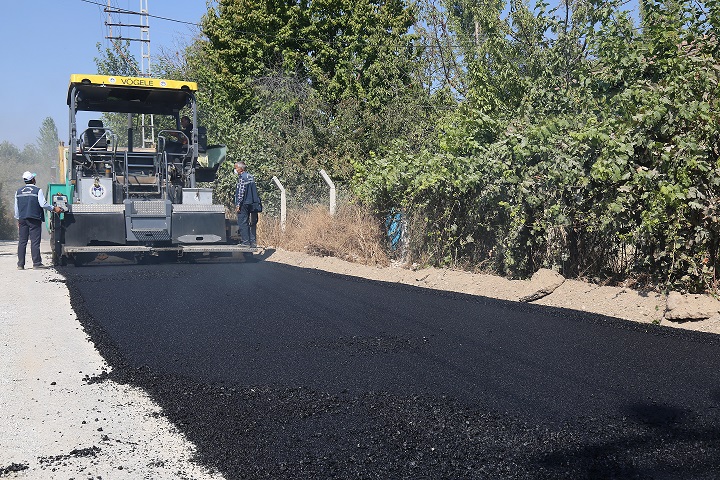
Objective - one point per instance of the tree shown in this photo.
(7, 226)
(117, 61)
(357, 54)
(297, 86)
(9, 150)
(342, 48)
(48, 143)
(13, 162)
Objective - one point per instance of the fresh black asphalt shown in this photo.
(282, 372)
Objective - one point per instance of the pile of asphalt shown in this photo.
(272, 430)
(263, 432)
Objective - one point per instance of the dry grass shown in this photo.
(353, 234)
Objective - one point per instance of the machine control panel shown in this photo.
(60, 200)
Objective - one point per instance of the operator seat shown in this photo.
(94, 135)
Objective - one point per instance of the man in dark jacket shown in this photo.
(29, 205)
(248, 205)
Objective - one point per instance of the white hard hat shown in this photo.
(27, 176)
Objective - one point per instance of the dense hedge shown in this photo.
(606, 165)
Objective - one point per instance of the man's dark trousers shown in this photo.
(247, 225)
(29, 228)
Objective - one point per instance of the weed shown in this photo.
(352, 234)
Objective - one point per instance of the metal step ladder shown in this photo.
(142, 174)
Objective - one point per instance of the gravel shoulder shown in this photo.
(57, 421)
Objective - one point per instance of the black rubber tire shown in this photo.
(58, 259)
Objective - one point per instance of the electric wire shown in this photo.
(132, 12)
(464, 42)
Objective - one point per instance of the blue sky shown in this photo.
(42, 42)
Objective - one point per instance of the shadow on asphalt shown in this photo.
(116, 259)
(653, 441)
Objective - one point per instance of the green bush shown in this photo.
(608, 167)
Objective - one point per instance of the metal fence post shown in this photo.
(283, 203)
(332, 191)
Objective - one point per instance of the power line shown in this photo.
(132, 12)
(335, 41)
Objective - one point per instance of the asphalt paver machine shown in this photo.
(139, 201)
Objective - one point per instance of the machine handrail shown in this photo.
(108, 135)
(162, 141)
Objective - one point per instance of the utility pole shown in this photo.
(147, 124)
(144, 39)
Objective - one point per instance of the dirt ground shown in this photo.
(620, 302)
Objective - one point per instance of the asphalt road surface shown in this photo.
(282, 372)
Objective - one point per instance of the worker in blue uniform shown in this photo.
(29, 205)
